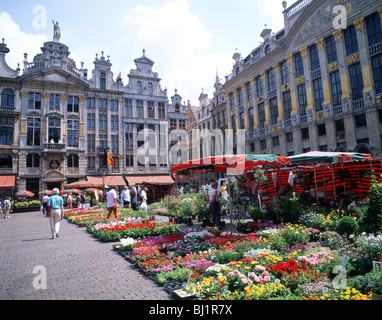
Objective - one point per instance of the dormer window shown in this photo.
(150, 88)
(139, 87)
(267, 50)
(7, 98)
(102, 80)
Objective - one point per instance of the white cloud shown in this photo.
(31, 43)
(177, 41)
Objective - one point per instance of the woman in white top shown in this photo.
(144, 199)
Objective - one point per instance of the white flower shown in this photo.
(127, 241)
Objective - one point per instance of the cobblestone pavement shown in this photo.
(78, 266)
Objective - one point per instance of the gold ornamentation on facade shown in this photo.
(320, 43)
(233, 112)
(45, 95)
(289, 58)
(333, 66)
(304, 51)
(250, 104)
(285, 86)
(378, 99)
(360, 23)
(379, 10)
(82, 98)
(264, 151)
(260, 99)
(276, 67)
(63, 97)
(353, 58)
(263, 74)
(274, 128)
(24, 93)
(320, 115)
(337, 34)
(300, 80)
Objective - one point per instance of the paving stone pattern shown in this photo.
(78, 266)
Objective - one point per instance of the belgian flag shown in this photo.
(109, 159)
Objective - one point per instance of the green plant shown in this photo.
(35, 203)
(256, 213)
(371, 281)
(371, 221)
(347, 226)
(290, 209)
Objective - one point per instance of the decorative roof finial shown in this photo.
(144, 52)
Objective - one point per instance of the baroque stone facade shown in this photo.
(314, 85)
(57, 121)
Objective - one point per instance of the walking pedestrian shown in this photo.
(56, 204)
(112, 202)
(44, 202)
(1, 208)
(133, 197)
(69, 200)
(83, 201)
(214, 204)
(143, 205)
(125, 197)
(7, 207)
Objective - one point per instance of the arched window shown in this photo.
(102, 80)
(7, 98)
(139, 87)
(150, 86)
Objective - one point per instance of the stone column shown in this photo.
(276, 67)
(367, 73)
(324, 78)
(308, 82)
(292, 83)
(344, 72)
(266, 99)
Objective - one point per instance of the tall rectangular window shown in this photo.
(284, 72)
(102, 104)
(251, 119)
(73, 133)
(274, 110)
(73, 161)
(114, 105)
(287, 105)
(240, 96)
(91, 121)
(356, 80)
(351, 41)
(103, 142)
(318, 94)
(232, 101)
(314, 58)
(299, 64)
(128, 107)
(130, 160)
(72, 104)
(376, 63)
(33, 131)
(374, 30)
(34, 101)
(302, 102)
(259, 87)
(161, 110)
(91, 162)
(128, 136)
(91, 142)
(114, 122)
(54, 102)
(139, 108)
(102, 121)
(331, 49)
(335, 83)
(54, 129)
(91, 103)
(261, 110)
(33, 160)
(248, 88)
(241, 120)
(271, 81)
(114, 143)
(151, 109)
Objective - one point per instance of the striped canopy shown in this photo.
(45, 193)
(314, 157)
(232, 164)
(24, 193)
(84, 185)
(71, 191)
(91, 190)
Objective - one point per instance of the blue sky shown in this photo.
(189, 40)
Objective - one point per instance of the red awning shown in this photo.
(7, 182)
(109, 180)
(157, 180)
